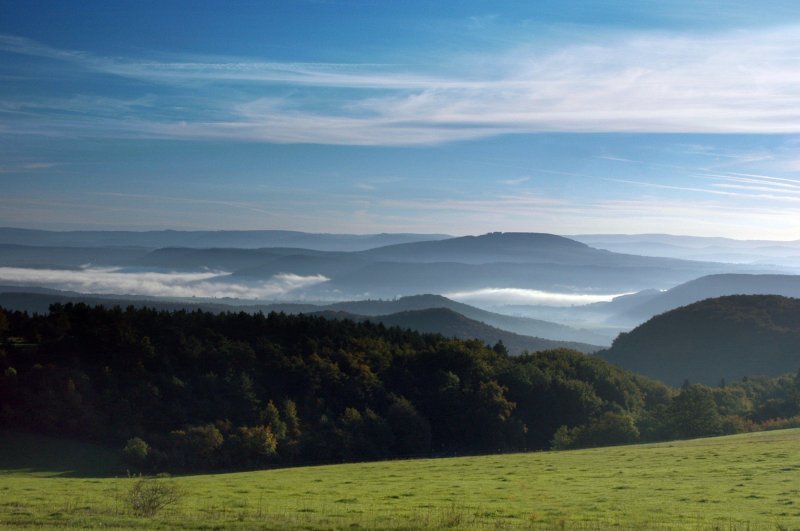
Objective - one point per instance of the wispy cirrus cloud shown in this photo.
(514, 182)
(27, 167)
(734, 185)
(730, 82)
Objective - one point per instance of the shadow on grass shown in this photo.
(55, 457)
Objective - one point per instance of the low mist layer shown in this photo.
(208, 284)
(500, 296)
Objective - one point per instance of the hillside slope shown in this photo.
(451, 324)
(726, 337)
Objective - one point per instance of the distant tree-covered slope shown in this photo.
(727, 337)
(452, 324)
(39, 302)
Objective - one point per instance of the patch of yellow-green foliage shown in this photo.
(739, 482)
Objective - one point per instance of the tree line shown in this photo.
(191, 390)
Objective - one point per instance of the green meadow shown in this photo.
(747, 481)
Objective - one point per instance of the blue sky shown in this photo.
(369, 116)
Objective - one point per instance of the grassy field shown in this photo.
(740, 482)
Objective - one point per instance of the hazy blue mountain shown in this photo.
(498, 260)
(12, 255)
(206, 239)
(513, 247)
(225, 259)
(707, 287)
(727, 337)
(514, 260)
(761, 252)
(486, 248)
(388, 279)
(301, 262)
(452, 324)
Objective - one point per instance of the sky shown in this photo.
(365, 116)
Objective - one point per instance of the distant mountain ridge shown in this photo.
(249, 239)
(720, 338)
(511, 247)
(491, 247)
(14, 255)
(707, 287)
(526, 261)
(497, 260)
(715, 249)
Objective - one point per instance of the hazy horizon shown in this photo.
(369, 233)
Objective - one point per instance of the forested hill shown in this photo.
(258, 389)
(714, 339)
(191, 391)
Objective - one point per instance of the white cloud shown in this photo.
(732, 82)
(514, 182)
(494, 296)
(158, 284)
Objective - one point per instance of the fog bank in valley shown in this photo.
(207, 284)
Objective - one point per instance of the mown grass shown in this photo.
(740, 482)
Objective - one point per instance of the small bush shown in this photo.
(737, 424)
(148, 496)
(611, 428)
(564, 438)
(135, 453)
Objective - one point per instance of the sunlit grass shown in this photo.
(740, 482)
